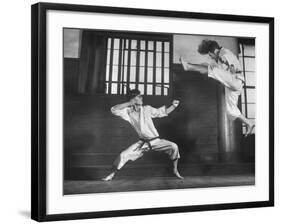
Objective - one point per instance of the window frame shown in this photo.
(244, 101)
(138, 37)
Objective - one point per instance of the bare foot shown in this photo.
(177, 174)
(250, 129)
(186, 66)
(109, 177)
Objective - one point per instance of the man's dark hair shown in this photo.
(132, 93)
(207, 46)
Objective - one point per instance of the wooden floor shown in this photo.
(123, 184)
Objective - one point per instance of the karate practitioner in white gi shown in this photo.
(226, 69)
(140, 117)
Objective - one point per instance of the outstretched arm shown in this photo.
(201, 68)
(174, 105)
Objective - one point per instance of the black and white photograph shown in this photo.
(157, 111)
(139, 112)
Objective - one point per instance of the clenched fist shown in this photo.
(176, 103)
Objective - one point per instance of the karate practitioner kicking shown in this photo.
(140, 117)
(226, 69)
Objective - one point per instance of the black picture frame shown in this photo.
(39, 109)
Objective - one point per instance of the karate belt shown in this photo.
(146, 141)
(228, 67)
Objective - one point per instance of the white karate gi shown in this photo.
(143, 124)
(233, 82)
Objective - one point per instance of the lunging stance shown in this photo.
(140, 117)
(226, 69)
